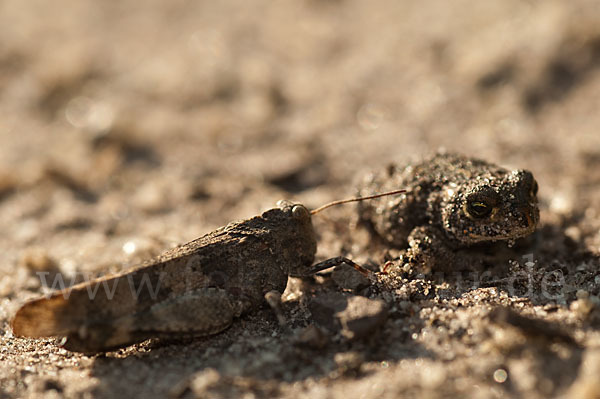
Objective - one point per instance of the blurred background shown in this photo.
(128, 126)
(159, 121)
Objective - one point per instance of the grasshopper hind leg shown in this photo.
(200, 312)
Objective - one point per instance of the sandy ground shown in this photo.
(129, 127)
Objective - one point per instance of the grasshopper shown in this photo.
(196, 289)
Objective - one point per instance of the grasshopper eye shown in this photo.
(300, 212)
(478, 209)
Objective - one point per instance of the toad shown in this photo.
(452, 203)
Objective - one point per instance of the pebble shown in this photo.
(352, 315)
(199, 383)
(37, 259)
(582, 307)
(587, 385)
(151, 198)
(348, 278)
(204, 380)
(312, 337)
(348, 362)
(8, 183)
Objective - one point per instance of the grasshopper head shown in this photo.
(296, 241)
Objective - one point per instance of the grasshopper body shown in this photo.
(193, 290)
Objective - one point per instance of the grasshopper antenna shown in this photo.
(319, 209)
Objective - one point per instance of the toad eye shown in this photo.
(534, 189)
(478, 209)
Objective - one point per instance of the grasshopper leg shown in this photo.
(326, 264)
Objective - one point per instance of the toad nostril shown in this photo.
(525, 218)
(528, 220)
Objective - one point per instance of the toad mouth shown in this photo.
(514, 234)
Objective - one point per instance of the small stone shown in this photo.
(6, 286)
(198, 383)
(348, 278)
(204, 380)
(587, 385)
(37, 259)
(583, 307)
(352, 315)
(324, 307)
(152, 198)
(362, 316)
(312, 337)
(574, 233)
(8, 184)
(348, 361)
(433, 376)
(582, 294)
